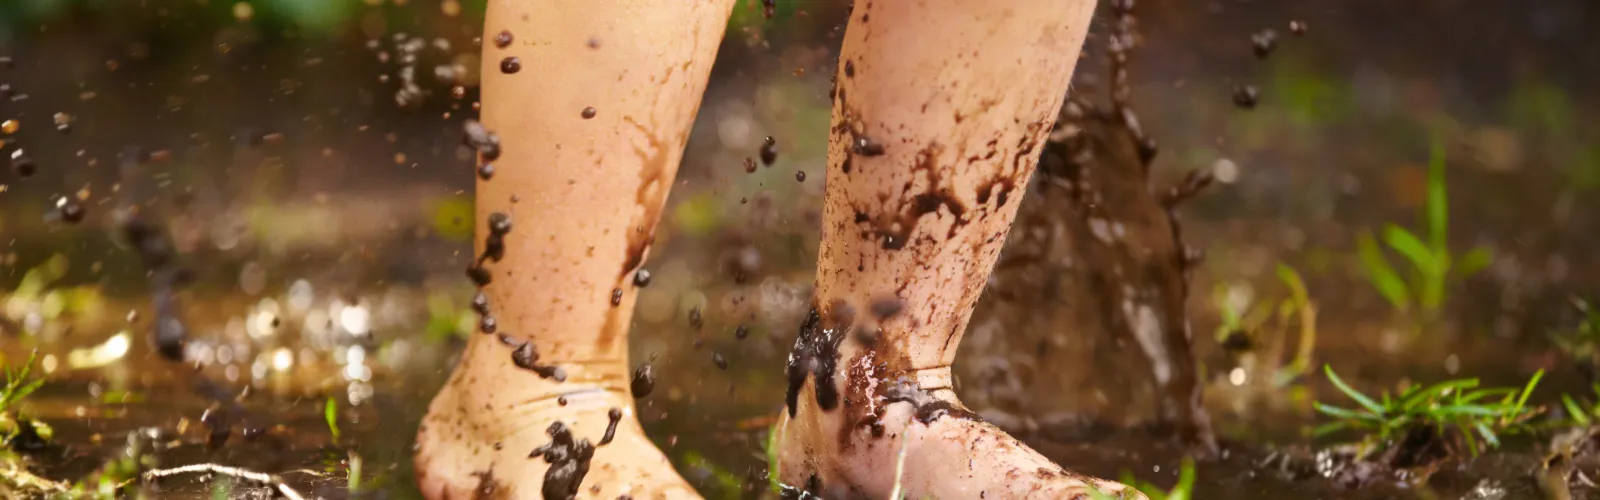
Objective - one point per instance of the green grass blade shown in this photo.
(1473, 261)
(1438, 209)
(1380, 274)
(1527, 390)
(772, 459)
(330, 413)
(1184, 490)
(1576, 412)
(1362, 399)
(1291, 278)
(1411, 248)
(1489, 437)
(1344, 413)
(1469, 410)
(1329, 428)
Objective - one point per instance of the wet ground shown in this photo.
(328, 261)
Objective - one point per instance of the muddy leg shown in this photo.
(941, 110)
(586, 109)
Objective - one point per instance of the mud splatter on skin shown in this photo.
(481, 139)
(525, 356)
(503, 39)
(928, 408)
(815, 354)
(480, 303)
(494, 245)
(568, 458)
(894, 227)
(651, 192)
(488, 488)
(510, 65)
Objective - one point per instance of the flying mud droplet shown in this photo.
(1298, 28)
(641, 278)
(719, 360)
(741, 332)
(749, 165)
(644, 380)
(769, 151)
(800, 175)
(23, 164)
(486, 171)
(769, 8)
(616, 297)
(503, 39)
(10, 126)
(63, 122)
(865, 146)
(1264, 42)
(561, 400)
(70, 209)
(1245, 96)
(696, 319)
(588, 112)
(510, 65)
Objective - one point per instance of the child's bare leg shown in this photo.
(592, 116)
(941, 109)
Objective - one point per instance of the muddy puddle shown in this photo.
(314, 187)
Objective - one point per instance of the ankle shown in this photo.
(488, 374)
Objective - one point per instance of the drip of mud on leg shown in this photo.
(569, 458)
(525, 356)
(815, 354)
(925, 407)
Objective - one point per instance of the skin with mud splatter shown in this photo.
(921, 189)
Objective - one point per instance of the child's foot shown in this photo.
(853, 429)
(483, 427)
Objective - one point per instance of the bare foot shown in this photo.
(484, 428)
(586, 143)
(939, 114)
(859, 432)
